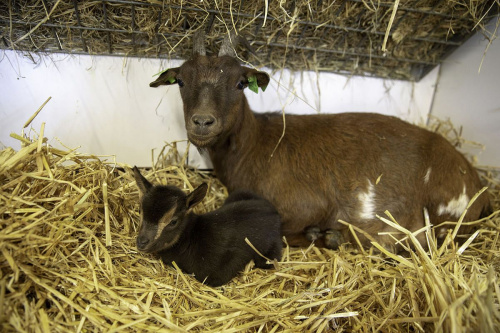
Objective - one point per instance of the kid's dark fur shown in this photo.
(211, 246)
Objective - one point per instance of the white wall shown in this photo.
(470, 98)
(105, 104)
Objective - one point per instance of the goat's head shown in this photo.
(212, 91)
(163, 213)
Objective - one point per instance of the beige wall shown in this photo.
(470, 98)
(105, 104)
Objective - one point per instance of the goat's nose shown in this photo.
(203, 120)
(142, 241)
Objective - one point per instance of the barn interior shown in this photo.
(76, 113)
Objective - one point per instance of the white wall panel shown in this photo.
(471, 98)
(105, 104)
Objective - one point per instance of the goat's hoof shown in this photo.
(333, 239)
(313, 233)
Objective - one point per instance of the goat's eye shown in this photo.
(173, 222)
(241, 85)
(180, 83)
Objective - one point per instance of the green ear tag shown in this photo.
(252, 84)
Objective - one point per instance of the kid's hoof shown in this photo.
(333, 239)
(313, 233)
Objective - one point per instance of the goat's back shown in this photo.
(215, 247)
(351, 166)
(243, 215)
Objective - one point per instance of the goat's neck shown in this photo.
(236, 145)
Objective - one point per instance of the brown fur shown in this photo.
(324, 162)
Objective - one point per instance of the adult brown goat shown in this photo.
(350, 166)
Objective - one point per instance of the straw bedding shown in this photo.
(68, 262)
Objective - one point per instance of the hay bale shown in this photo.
(68, 223)
(399, 40)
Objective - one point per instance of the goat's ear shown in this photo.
(196, 196)
(256, 79)
(142, 183)
(167, 77)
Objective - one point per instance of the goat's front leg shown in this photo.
(313, 233)
(331, 238)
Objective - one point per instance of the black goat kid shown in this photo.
(212, 246)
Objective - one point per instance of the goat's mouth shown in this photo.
(144, 249)
(156, 246)
(148, 247)
(153, 247)
(203, 141)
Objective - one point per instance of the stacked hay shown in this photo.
(389, 39)
(68, 223)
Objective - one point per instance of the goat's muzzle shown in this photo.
(142, 243)
(203, 122)
(203, 130)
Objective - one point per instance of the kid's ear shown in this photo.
(168, 77)
(142, 183)
(196, 196)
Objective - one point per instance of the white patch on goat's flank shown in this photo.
(456, 206)
(367, 201)
(427, 176)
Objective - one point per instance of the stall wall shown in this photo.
(468, 94)
(104, 105)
